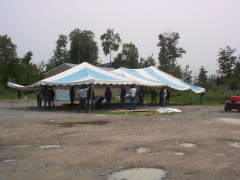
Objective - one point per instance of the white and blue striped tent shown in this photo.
(151, 76)
(86, 73)
(83, 73)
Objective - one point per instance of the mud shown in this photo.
(64, 144)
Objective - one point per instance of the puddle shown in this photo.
(138, 174)
(179, 154)
(142, 150)
(46, 147)
(9, 160)
(188, 145)
(71, 124)
(220, 154)
(23, 146)
(230, 120)
(236, 144)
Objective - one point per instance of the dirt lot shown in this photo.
(201, 142)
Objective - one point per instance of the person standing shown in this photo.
(141, 95)
(19, 94)
(72, 95)
(123, 97)
(108, 96)
(46, 98)
(161, 97)
(132, 93)
(83, 97)
(90, 96)
(52, 95)
(164, 96)
(153, 96)
(201, 97)
(25, 95)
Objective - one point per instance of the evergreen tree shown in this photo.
(187, 74)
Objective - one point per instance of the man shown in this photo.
(164, 96)
(72, 95)
(132, 93)
(83, 97)
(46, 97)
(123, 98)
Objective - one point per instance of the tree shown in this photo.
(169, 52)
(61, 54)
(226, 61)
(150, 61)
(83, 48)
(8, 59)
(202, 77)
(187, 74)
(236, 70)
(128, 58)
(110, 42)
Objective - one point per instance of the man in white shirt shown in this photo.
(132, 93)
(83, 96)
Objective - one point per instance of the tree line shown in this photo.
(83, 48)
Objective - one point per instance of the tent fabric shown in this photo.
(139, 76)
(83, 73)
(154, 77)
(86, 73)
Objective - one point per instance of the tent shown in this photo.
(83, 73)
(86, 73)
(153, 76)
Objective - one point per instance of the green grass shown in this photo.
(176, 98)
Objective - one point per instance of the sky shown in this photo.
(204, 26)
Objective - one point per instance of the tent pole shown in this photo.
(10, 97)
(192, 98)
(91, 98)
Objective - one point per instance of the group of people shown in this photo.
(164, 96)
(48, 97)
(86, 94)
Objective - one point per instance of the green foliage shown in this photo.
(150, 61)
(61, 54)
(83, 48)
(169, 52)
(128, 58)
(226, 61)
(186, 74)
(110, 42)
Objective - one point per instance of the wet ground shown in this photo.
(201, 142)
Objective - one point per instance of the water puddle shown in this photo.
(179, 153)
(188, 145)
(47, 147)
(220, 154)
(230, 120)
(71, 124)
(9, 160)
(236, 144)
(141, 150)
(138, 174)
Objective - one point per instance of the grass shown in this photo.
(176, 98)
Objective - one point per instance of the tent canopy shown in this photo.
(86, 73)
(154, 77)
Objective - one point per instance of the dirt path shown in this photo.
(201, 142)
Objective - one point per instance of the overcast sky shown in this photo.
(204, 26)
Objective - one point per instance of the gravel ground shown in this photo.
(201, 142)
